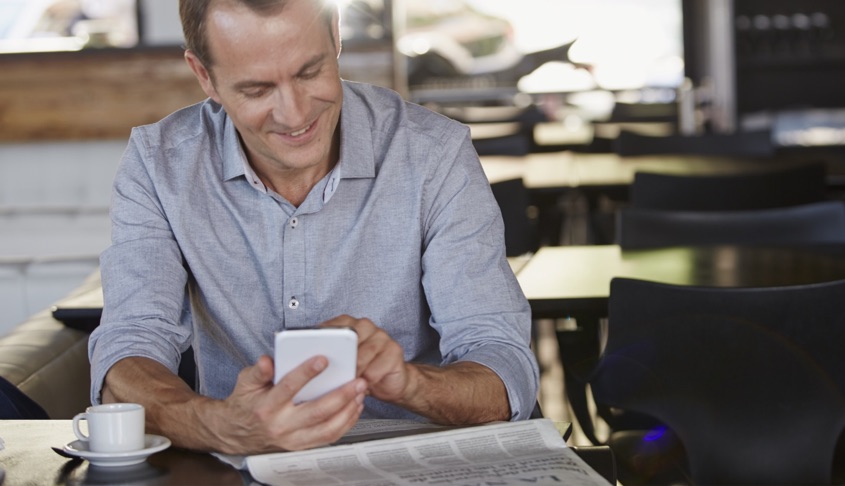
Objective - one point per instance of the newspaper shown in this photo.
(507, 453)
(363, 430)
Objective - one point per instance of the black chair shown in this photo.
(822, 222)
(521, 232)
(800, 184)
(514, 144)
(749, 144)
(601, 459)
(750, 381)
(500, 130)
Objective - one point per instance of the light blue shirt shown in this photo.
(410, 237)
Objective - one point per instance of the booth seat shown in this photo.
(48, 361)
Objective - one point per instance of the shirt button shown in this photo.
(293, 304)
(294, 222)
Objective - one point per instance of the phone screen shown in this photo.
(338, 345)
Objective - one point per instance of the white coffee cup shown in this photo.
(112, 427)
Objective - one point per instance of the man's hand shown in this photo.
(257, 417)
(261, 416)
(459, 393)
(381, 360)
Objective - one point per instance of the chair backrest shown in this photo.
(750, 144)
(521, 233)
(516, 144)
(801, 184)
(822, 222)
(750, 379)
(500, 130)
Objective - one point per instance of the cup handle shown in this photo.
(76, 429)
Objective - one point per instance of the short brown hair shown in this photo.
(194, 15)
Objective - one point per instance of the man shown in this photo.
(291, 199)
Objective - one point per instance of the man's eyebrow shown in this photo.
(248, 84)
(311, 63)
(242, 85)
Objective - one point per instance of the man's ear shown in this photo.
(202, 74)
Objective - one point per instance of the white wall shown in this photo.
(160, 23)
(54, 200)
(67, 174)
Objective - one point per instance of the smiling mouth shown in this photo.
(300, 132)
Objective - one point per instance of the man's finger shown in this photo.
(259, 375)
(363, 327)
(330, 416)
(291, 383)
(378, 346)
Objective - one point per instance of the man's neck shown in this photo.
(292, 185)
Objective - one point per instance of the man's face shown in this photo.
(277, 78)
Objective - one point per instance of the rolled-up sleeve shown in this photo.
(143, 277)
(476, 303)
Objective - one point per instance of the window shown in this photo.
(67, 25)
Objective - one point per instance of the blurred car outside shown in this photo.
(450, 44)
(66, 25)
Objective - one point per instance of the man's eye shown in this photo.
(310, 74)
(255, 93)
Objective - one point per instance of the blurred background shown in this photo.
(567, 101)
(527, 76)
(61, 140)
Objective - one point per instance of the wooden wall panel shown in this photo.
(91, 94)
(102, 94)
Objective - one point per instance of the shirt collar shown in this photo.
(333, 178)
(356, 136)
(234, 158)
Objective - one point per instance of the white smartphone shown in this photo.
(338, 345)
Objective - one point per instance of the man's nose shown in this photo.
(290, 107)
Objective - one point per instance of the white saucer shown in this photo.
(152, 444)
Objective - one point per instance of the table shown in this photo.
(28, 459)
(580, 181)
(568, 280)
(561, 171)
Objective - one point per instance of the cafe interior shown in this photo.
(671, 175)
